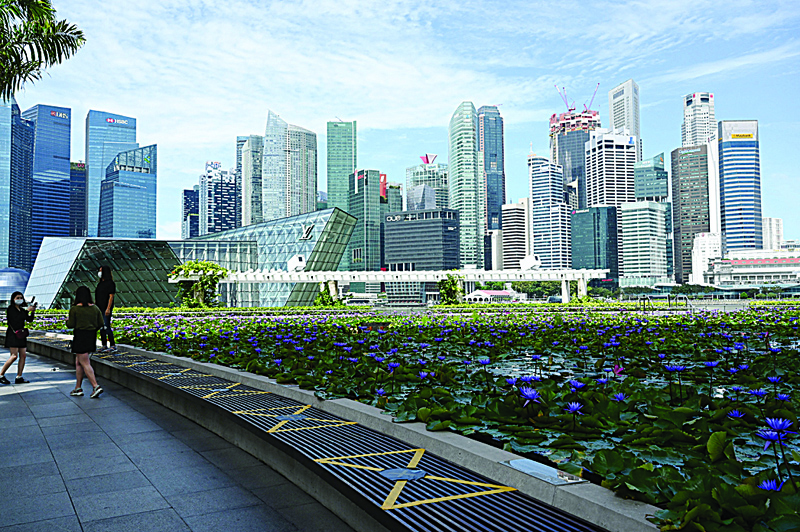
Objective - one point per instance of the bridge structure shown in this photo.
(332, 278)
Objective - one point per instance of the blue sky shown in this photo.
(196, 74)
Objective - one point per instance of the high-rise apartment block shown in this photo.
(610, 158)
(128, 195)
(77, 199)
(623, 110)
(467, 189)
(549, 214)
(569, 133)
(251, 161)
(517, 233)
(431, 174)
(643, 241)
(772, 229)
(217, 199)
(289, 170)
(107, 134)
(740, 184)
(490, 144)
(699, 122)
(50, 195)
(342, 147)
(16, 187)
(190, 213)
(594, 239)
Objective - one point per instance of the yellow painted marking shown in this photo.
(323, 460)
(278, 426)
(388, 504)
(442, 499)
(416, 458)
(275, 428)
(255, 411)
(471, 483)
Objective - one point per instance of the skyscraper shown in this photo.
(643, 241)
(342, 142)
(77, 199)
(128, 195)
(516, 234)
(50, 197)
(623, 109)
(651, 183)
(594, 240)
(467, 189)
(740, 184)
(251, 160)
(699, 123)
(609, 168)
(190, 213)
(16, 187)
(364, 250)
(549, 213)
(569, 133)
(420, 198)
(490, 144)
(432, 174)
(107, 134)
(217, 199)
(289, 170)
(772, 229)
(240, 140)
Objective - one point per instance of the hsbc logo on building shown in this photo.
(116, 121)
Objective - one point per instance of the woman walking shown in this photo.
(16, 316)
(86, 319)
(104, 296)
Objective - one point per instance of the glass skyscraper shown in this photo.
(50, 200)
(128, 195)
(77, 199)
(252, 157)
(364, 251)
(190, 213)
(740, 184)
(569, 133)
(467, 189)
(550, 214)
(217, 199)
(433, 175)
(490, 143)
(420, 198)
(342, 161)
(107, 134)
(691, 204)
(594, 240)
(651, 183)
(16, 172)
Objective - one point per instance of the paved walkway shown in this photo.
(123, 462)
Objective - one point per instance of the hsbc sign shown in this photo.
(116, 121)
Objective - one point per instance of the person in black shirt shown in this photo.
(104, 299)
(16, 316)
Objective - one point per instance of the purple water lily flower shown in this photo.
(393, 366)
(783, 397)
(530, 395)
(379, 392)
(511, 381)
(484, 361)
(771, 485)
(735, 414)
(779, 424)
(423, 374)
(774, 379)
(577, 385)
(619, 397)
(770, 437)
(574, 408)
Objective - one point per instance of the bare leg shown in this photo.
(78, 373)
(87, 368)
(23, 351)
(11, 359)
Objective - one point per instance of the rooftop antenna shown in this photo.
(592, 101)
(339, 119)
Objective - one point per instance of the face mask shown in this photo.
(19, 301)
(100, 274)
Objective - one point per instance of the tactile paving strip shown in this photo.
(418, 490)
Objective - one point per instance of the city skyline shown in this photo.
(194, 120)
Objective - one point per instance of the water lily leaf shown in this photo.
(439, 425)
(423, 414)
(716, 445)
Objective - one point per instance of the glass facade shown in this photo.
(128, 195)
(594, 240)
(490, 143)
(77, 199)
(433, 175)
(364, 251)
(12, 280)
(16, 187)
(740, 184)
(50, 199)
(690, 204)
(217, 199)
(421, 198)
(549, 214)
(569, 133)
(650, 179)
(342, 149)
(190, 213)
(107, 134)
(252, 156)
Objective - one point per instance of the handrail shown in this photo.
(689, 304)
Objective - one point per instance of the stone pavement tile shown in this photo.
(201, 439)
(60, 524)
(115, 426)
(42, 398)
(211, 501)
(283, 496)
(26, 420)
(77, 439)
(231, 458)
(107, 483)
(15, 410)
(252, 518)
(15, 433)
(81, 468)
(116, 414)
(141, 450)
(114, 504)
(260, 476)
(158, 521)
(314, 517)
(59, 409)
(64, 420)
(174, 460)
(19, 510)
(74, 428)
(170, 481)
(33, 479)
(30, 454)
(152, 436)
(88, 453)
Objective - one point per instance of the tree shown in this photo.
(31, 39)
(325, 299)
(490, 285)
(450, 290)
(201, 293)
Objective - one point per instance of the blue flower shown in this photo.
(278, 361)
(778, 424)
(484, 361)
(329, 372)
(774, 380)
(530, 394)
(757, 393)
(771, 436)
(744, 367)
(771, 485)
(674, 367)
(536, 357)
(511, 381)
(576, 384)
(735, 414)
(619, 397)
(602, 381)
(393, 365)
(712, 363)
(783, 397)
(423, 374)
(379, 392)
(574, 408)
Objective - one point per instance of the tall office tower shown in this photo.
(643, 240)
(289, 170)
(431, 174)
(549, 214)
(740, 184)
(493, 250)
(342, 161)
(190, 213)
(772, 229)
(517, 232)
(240, 140)
(420, 198)
(623, 108)
(706, 247)
(490, 144)
(568, 135)
(699, 123)
(364, 250)
(217, 199)
(609, 168)
(16, 187)
(107, 134)
(77, 199)
(465, 180)
(594, 242)
(692, 203)
(128, 195)
(51, 192)
(651, 183)
(252, 157)
(322, 200)
(393, 194)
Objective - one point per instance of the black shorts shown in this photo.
(84, 341)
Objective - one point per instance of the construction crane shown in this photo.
(592, 101)
(564, 98)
